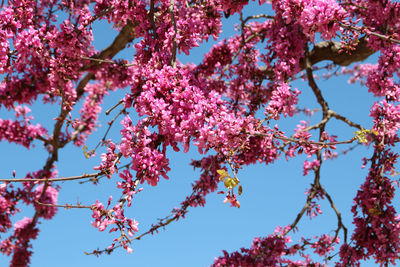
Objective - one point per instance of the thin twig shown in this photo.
(338, 215)
(110, 124)
(303, 210)
(70, 178)
(66, 206)
(259, 16)
(346, 120)
(116, 105)
(102, 13)
(318, 125)
(305, 141)
(352, 4)
(99, 60)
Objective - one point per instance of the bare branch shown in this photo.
(346, 120)
(151, 16)
(315, 142)
(338, 215)
(112, 108)
(316, 90)
(102, 13)
(66, 206)
(305, 207)
(110, 124)
(62, 179)
(125, 36)
(99, 60)
(259, 16)
(174, 47)
(319, 124)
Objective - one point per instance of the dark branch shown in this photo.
(333, 51)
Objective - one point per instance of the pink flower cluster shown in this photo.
(324, 245)
(381, 81)
(24, 231)
(20, 132)
(322, 17)
(128, 185)
(148, 162)
(8, 202)
(49, 197)
(274, 250)
(104, 217)
(283, 101)
(359, 72)
(376, 220)
(310, 165)
(89, 113)
(273, 247)
(377, 230)
(108, 160)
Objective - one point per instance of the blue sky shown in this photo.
(272, 195)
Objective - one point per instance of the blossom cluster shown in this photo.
(114, 217)
(275, 250)
(224, 107)
(18, 243)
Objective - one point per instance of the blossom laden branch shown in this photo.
(369, 32)
(211, 106)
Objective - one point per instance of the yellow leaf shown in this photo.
(228, 183)
(374, 212)
(240, 190)
(231, 182)
(222, 174)
(361, 135)
(86, 152)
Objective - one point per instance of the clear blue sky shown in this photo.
(272, 195)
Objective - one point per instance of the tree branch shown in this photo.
(66, 206)
(175, 46)
(70, 178)
(125, 36)
(333, 51)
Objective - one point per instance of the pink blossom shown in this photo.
(24, 230)
(49, 197)
(307, 166)
(283, 101)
